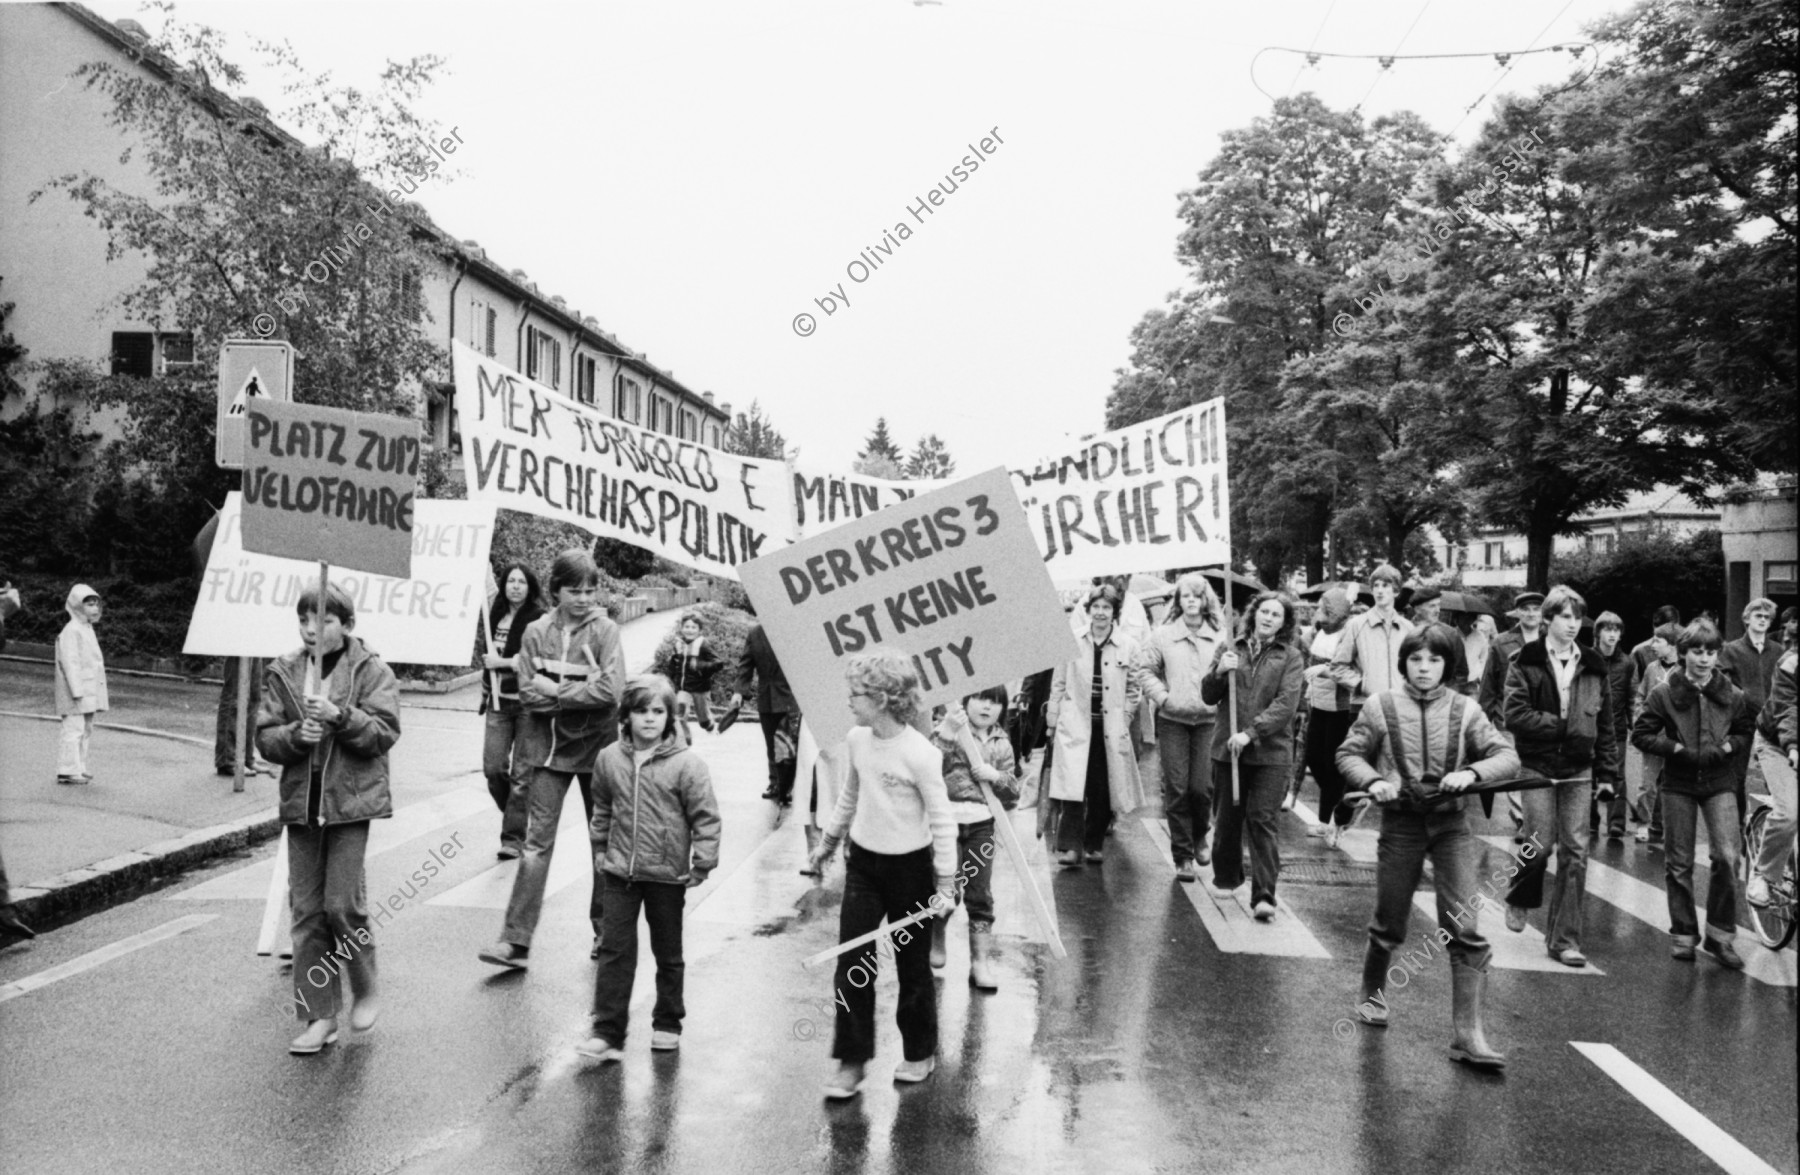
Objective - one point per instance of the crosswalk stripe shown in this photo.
(572, 860)
(1691, 1124)
(1650, 905)
(105, 954)
(1525, 951)
(251, 882)
(1234, 930)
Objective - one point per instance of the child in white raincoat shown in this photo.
(80, 683)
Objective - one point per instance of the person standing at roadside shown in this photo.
(1562, 725)
(80, 683)
(759, 666)
(1169, 672)
(505, 746)
(1621, 681)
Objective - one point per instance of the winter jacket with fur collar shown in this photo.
(1700, 722)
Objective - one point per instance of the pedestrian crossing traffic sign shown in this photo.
(249, 369)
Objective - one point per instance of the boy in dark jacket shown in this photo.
(656, 835)
(332, 746)
(1621, 681)
(1698, 721)
(1558, 711)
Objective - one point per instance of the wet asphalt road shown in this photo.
(1147, 1049)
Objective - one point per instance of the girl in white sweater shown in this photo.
(901, 858)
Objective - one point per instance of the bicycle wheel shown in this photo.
(1773, 923)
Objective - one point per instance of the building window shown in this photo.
(631, 401)
(492, 321)
(586, 375)
(1487, 554)
(1778, 579)
(177, 351)
(134, 353)
(690, 427)
(409, 296)
(715, 436)
(543, 358)
(483, 322)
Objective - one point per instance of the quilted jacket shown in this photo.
(655, 822)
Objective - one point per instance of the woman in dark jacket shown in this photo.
(1259, 735)
(504, 761)
(1698, 721)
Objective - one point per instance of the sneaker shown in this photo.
(1515, 918)
(1069, 858)
(1682, 948)
(68, 779)
(505, 954)
(1757, 892)
(912, 1072)
(771, 793)
(1264, 911)
(364, 1013)
(1334, 833)
(1186, 873)
(1568, 956)
(508, 853)
(1643, 834)
(1095, 856)
(598, 1048)
(318, 1034)
(1724, 953)
(845, 1083)
(664, 1042)
(1224, 891)
(1322, 828)
(1202, 856)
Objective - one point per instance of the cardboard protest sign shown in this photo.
(949, 579)
(1151, 496)
(247, 602)
(527, 447)
(330, 486)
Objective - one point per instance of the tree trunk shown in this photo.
(1540, 545)
(1397, 534)
(1317, 526)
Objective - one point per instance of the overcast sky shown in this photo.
(695, 175)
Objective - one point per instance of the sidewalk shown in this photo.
(156, 807)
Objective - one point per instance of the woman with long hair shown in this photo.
(508, 771)
(1169, 672)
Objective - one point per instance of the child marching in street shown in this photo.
(1408, 748)
(983, 714)
(80, 684)
(656, 835)
(901, 858)
(332, 743)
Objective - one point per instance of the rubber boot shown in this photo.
(981, 973)
(939, 928)
(812, 844)
(1372, 1008)
(1470, 1046)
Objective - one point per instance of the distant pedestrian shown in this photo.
(1528, 608)
(1094, 772)
(1259, 735)
(571, 671)
(506, 749)
(1407, 749)
(332, 742)
(983, 715)
(1479, 634)
(1647, 807)
(901, 858)
(10, 605)
(1561, 724)
(691, 666)
(1644, 651)
(1697, 720)
(1169, 670)
(1749, 662)
(225, 746)
(759, 667)
(80, 683)
(655, 833)
(1330, 713)
(1621, 681)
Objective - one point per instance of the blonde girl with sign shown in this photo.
(901, 858)
(332, 742)
(80, 683)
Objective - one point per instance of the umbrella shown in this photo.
(1465, 602)
(1147, 587)
(1355, 591)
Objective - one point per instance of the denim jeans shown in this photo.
(508, 770)
(1778, 844)
(662, 903)
(1407, 838)
(1262, 787)
(1556, 820)
(327, 897)
(891, 886)
(1186, 756)
(527, 902)
(1647, 808)
(975, 849)
(225, 727)
(1325, 733)
(1681, 817)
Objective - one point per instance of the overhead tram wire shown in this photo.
(1307, 61)
(1387, 62)
(1507, 64)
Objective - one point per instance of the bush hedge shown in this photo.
(1644, 572)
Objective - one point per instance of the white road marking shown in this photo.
(251, 882)
(1650, 905)
(105, 954)
(1524, 951)
(1228, 920)
(1730, 1154)
(572, 860)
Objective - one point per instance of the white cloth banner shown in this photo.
(247, 606)
(528, 447)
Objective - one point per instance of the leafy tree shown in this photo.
(931, 460)
(753, 434)
(880, 444)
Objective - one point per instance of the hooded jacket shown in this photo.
(658, 821)
(1418, 738)
(586, 661)
(1700, 722)
(1547, 742)
(80, 666)
(354, 750)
